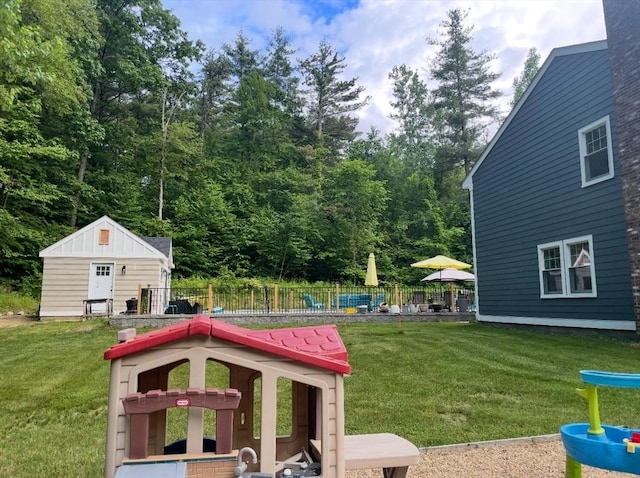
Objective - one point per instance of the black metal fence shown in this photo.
(291, 299)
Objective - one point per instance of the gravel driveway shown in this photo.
(539, 457)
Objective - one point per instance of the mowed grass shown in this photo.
(433, 384)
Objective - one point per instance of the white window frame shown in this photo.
(583, 151)
(565, 265)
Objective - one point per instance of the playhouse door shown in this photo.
(101, 285)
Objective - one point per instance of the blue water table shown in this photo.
(594, 444)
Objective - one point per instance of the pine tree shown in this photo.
(522, 82)
(330, 97)
(464, 93)
(413, 110)
(279, 71)
(242, 59)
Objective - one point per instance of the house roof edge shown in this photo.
(555, 53)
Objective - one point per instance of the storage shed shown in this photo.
(98, 268)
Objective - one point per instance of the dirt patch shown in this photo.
(15, 320)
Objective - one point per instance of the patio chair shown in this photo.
(472, 303)
(311, 303)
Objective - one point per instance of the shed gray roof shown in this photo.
(162, 244)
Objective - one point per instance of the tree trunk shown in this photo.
(163, 156)
(84, 158)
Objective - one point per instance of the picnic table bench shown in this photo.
(390, 452)
(104, 307)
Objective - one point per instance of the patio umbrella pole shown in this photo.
(452, 305)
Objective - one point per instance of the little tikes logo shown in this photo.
(183, 402)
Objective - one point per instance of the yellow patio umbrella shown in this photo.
(442, 262)
(371, 279)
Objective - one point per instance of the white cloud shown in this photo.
(376, 35)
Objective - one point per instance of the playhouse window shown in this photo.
(284, 417)
(596, 155)
(566, 268)
(177, 418)
(284, 407)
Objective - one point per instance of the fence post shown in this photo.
(337, 296)
(275, 298)
(139, 304)
(252, 299)
(210, 299)
(395, 294)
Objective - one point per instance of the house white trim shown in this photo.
(583, 152)
(557, 322)
(565, 266)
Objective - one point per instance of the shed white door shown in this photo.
(101, 285)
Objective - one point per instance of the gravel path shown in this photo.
(539, 457)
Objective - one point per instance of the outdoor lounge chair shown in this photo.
(311, 303)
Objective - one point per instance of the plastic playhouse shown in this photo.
(233, 429)
(602, 446)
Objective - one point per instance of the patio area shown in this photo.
(273, 299)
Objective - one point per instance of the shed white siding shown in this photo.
(65, 283)
(67, 268)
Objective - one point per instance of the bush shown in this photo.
(17, 302)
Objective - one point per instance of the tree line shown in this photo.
(250, 160)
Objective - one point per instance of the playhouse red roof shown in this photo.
(320, 345)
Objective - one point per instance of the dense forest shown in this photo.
(250, 160)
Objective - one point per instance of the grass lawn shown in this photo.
(433, 384)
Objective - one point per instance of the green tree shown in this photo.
(242, 59)
(206, 234)
(214, 91)
(463, 97)
(413, 110)
(286, 233)
(261, 130)
(354, 204)
(41, 87)
(279, 71)
(142, 51)
(522, 81)
(328, 96)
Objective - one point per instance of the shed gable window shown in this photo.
(103, 237)
(596, 155)
(567, 268)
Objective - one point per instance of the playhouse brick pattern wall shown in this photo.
(207, 469)
(622, 18)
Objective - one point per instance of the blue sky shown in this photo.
(375, 35)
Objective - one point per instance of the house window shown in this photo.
(596, 155)
(567, 269)
(551, 270)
